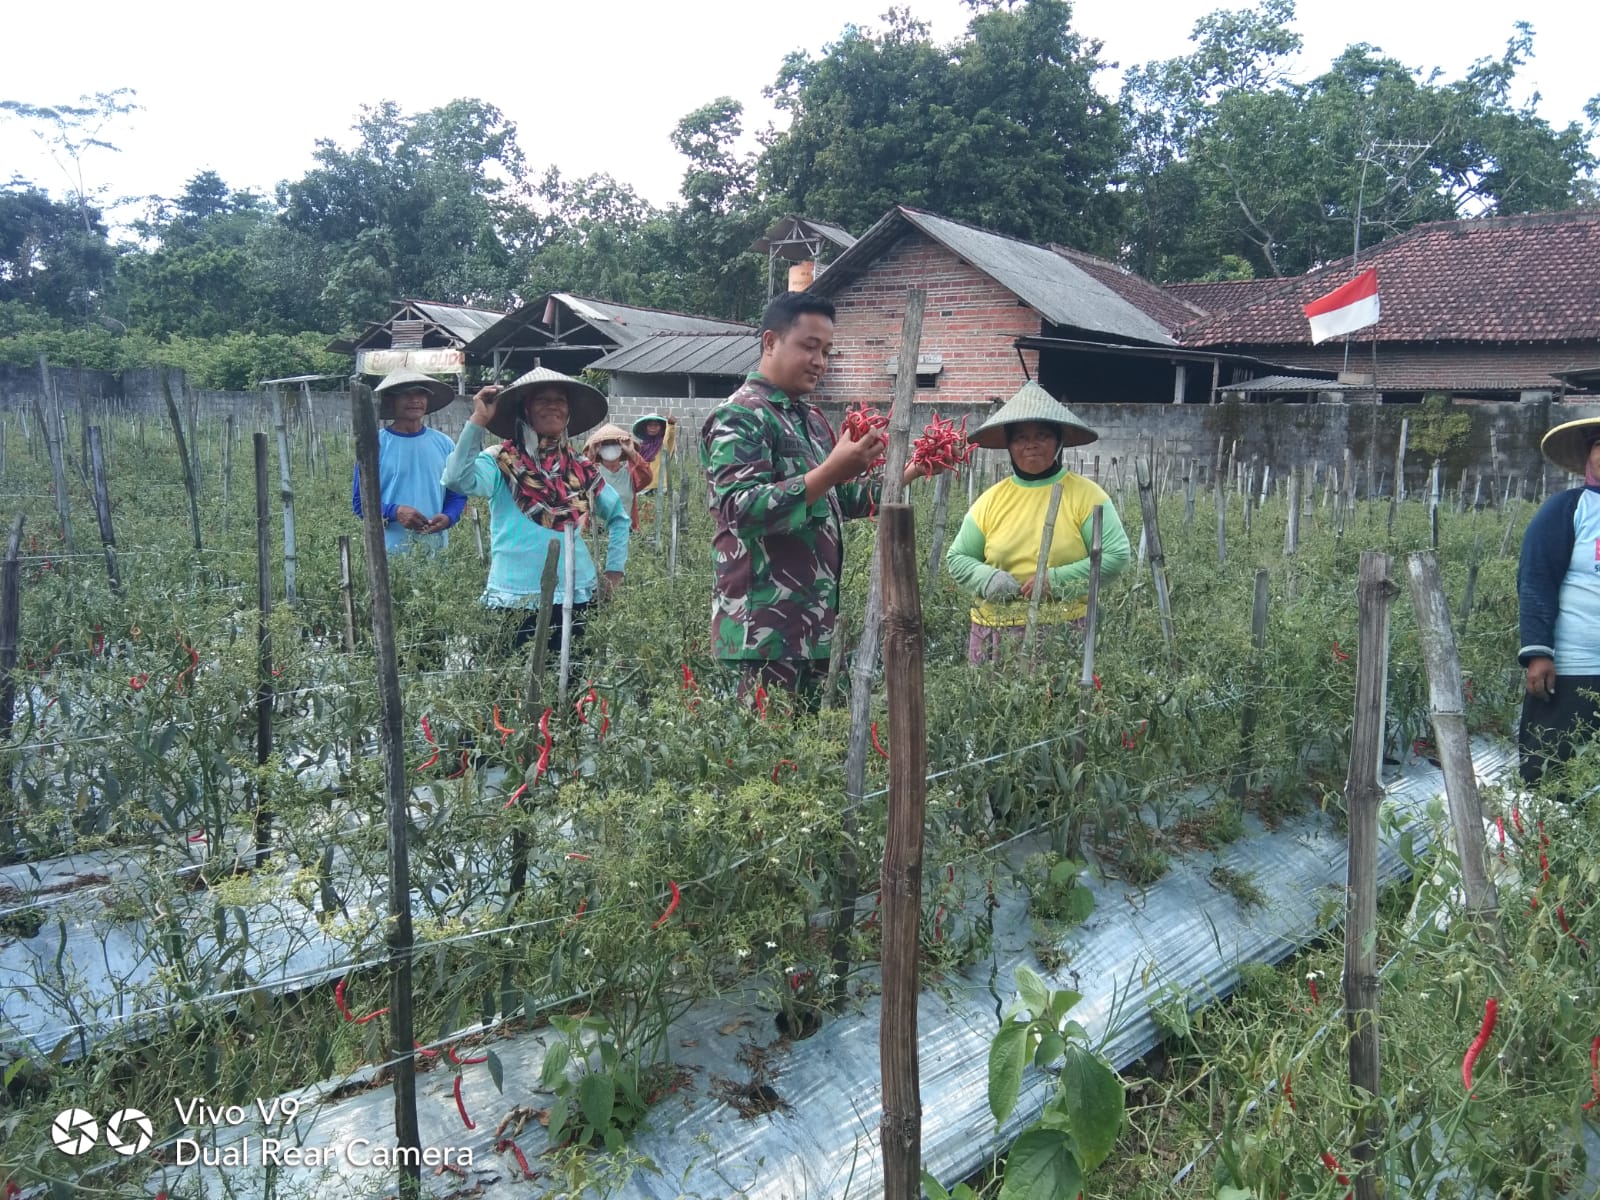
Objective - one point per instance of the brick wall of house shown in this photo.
(970, 320)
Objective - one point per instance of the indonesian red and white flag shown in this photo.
(1346, 309)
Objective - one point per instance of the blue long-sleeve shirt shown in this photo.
(409, 466)
(517, 544)
(1558, 583)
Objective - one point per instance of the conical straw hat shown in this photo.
(586, 406)
(395, 382)
(608, 433)
(1568, 445)
(1032, 403)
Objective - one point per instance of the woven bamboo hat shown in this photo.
(587, 407)
(396, 382)
(638, 426)
(608, 433)
(1568, 445)
(1032, 403)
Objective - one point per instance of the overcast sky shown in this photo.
(593, 86)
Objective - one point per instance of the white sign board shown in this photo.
(433, 362)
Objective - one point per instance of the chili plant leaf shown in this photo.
(555, 1065)
(496, 1071)
(1095, 1098)
(1034, 992)
(1007, 1054)
(597, 1094)
(1041, 1167)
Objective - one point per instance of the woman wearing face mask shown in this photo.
(538, 486)
(996, 552)
(612, 451)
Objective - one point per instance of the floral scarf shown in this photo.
(552, 486)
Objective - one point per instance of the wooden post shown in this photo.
(1472, 578)
(941, 520)
(227, 475)
(900, 884)
(58, 474)
(1091, 626)
(1363, 794)
(1158, 561)
(866, 663)
(1247, 716)
(10, 618)
(1190, 485)
(396, 790)
(194, 432)
(1041, 573)
(286, 495)
(183, 457)
(1222, 522)
(540, 654)
(1399, 491)
(477, 529)
(1291, 530)
(678, 514)
(1448, 707)
(263, 821)
(347, 594)
(568, 582)
(102, 508)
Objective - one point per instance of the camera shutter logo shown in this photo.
(74, 1131)
(128, 1131)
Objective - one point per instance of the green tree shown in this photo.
(70, 132)
(47, 259)
(1003, 128)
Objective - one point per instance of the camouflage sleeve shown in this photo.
(745, 492)
(859, 499)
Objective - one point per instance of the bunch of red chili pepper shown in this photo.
(860, 421)
(943, 446)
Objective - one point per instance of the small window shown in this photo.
(930, 380)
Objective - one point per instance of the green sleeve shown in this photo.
(1073, 578)
(964, 559)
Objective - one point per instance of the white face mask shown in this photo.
(611, 452)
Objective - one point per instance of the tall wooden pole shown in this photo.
(227, 474)
(347, 594)
(1363, 791)
(407, 1134)
(1041, 573)
(286, 495)
(901, 881)
(183, 457)
(941, 519)
(264, 697)
(569, 575)
(102, 508)
(1247, 716)
(1158, 560)
(1447, 701)
(10, 618)
(58, 474)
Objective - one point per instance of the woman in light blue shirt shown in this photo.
(538, 486)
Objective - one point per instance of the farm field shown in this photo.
(681, 850)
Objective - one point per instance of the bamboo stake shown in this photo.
(263, 819)
(347, 594)
(1448, 709)
(102, 508)
(1363, 795)
(10, 619)
(1041, 573)
(227, 476)
(1158, 561)
(396, 790)
(569, 569)
(1472, 578)
(941, 521)
(1291, 529)
(900, 885)
(477, 530)
(1247, 716)
(538, 658)
(183, 457)
(58, 475)
(1222, 522)
(1091, 626)
(286, 495)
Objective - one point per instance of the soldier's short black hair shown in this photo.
(784, 309)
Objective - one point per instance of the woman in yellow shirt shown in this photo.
(996, 551)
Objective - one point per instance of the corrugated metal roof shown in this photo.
(465, 323)
(621, 324)
(686, 354)
(1289, 383)
(791, 229)
(1058, 289)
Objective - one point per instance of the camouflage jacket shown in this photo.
(777, 559)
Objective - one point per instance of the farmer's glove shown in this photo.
(1002, 585)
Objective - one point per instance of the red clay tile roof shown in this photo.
(1498, 279)
(1464, 367)
(1154, 301)
(1223, 295)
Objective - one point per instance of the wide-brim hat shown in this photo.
(646, 419)
(1568, 445)
(1032, 403)
(440, 394)
(608, 433)
(586, 406)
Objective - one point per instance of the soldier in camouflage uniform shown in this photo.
(780, 487)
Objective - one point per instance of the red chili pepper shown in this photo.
(338, 1000)
(877, 745)
(466, 1062)
(1096, 682)
(672, 905)
(761, 701)
(461, 1106)
(515, 796)
(197, 837)
(522, 1160)
(689, 685)
(1500, 825)
(99, 642)
(543, 765)
(1594, 1072)
(780, 764)
(1332, 1164)
(797, 978)
(1288, 1090)
(500, 727)
(1516, 819)
(544, 726)
(583, 904)
(1561, 915)
(427, 732)
(466, 765)
(577, 857)
(137, 682)
(950, 873)
(194, 661)
(423, 1050)
(605, 717)
(371, 1016)
(941, 446)
(1339, 655)
(1491, 1010)
(938, 920)
(1312, 984)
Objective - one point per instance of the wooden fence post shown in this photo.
(941, 521)
(263, 820)
(900, 885)
(1041, 574)
(58, 474)
(183, 457)
(1158, 561)
(1363, 794)
(1291, 529)
(1091, 627)
(1448, 708)
(396, 790)
(1247, 715)
(102, 508)
(347, 594)
(10, 618)
(286, 494)
(227, 475)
